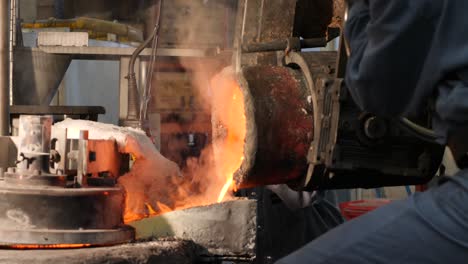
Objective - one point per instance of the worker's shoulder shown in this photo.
(397, 7)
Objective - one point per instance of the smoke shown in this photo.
(150, 169)
(200, 24)
(209, 24)
(154, 184)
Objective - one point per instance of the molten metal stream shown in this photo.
(56, 246)
(225, 189)
(211, 181)
(233, 121)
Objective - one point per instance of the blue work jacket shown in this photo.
(405, 52)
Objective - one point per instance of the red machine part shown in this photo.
(103, 157)
(355, 209)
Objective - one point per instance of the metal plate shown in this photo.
(72, 238)
(48, 215)
(56, 110)
(47, 207)
(33, 179)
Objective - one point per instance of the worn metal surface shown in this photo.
(37, 76)
(265, 21)
(39, 207)
(279, 123)
(34, 143)
(301, 114)
(347, 151)
(260, 21)
(50, 238)
(32, 167)
(46, 215)
(195, 23)
(227, 229)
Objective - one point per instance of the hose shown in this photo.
(133, 95)
(418, 131)
(146, 95)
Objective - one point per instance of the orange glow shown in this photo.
(207, 179)
(129, 214)
(163, 208)
(150, 209)
(226, 187)
(130, 217)
(231, 117)
(56, 246)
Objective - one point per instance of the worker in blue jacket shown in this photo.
(404, 52)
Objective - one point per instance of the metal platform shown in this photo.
(118, 51)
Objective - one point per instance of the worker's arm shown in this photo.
(389, 41)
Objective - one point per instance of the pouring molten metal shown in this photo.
(155, 185)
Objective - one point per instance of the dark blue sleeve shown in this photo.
(389, 44)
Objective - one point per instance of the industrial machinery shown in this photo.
(304, 129)
(302, 126)
(57, 191)
(57, 198)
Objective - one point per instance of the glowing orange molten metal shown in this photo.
(56, 246)
(230, 113)
(225, 189)
(208, 179)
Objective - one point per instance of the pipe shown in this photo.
(291, 44)
(418, 131)
(4, 72)
(133, 97)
